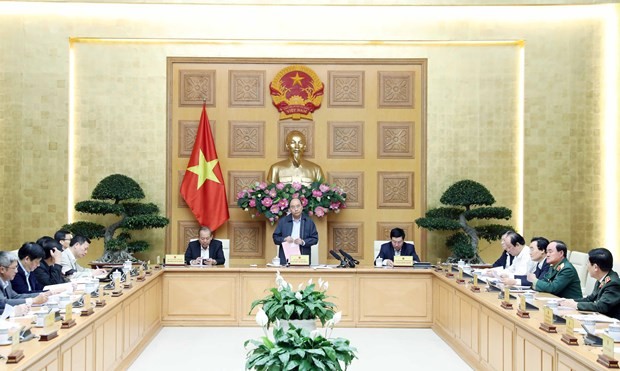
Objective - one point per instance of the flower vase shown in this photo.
(308, 324)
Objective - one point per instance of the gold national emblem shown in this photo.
(296, 92)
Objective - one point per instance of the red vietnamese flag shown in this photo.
(203, 185)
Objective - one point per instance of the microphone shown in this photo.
(349, 258)
(343, 264)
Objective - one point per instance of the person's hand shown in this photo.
(57, 255)
(41, 298)
(531, 277)
(100, 272)
(289, 239)
(298, 241)
(211, 261)
(570, 303)
(196, 261)
(388, 262)
(508, 281)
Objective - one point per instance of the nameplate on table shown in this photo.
(299, 260)
(174, 259)
(569, 336)
(403, 261)
(547, 325)
(607, 358)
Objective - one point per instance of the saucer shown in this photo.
(8, 342)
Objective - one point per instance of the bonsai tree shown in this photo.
(116, 195)
(467, 200)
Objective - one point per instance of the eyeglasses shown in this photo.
(14, 268)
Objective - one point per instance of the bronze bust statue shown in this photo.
(295, 168)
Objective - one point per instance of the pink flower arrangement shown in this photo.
(272, 200)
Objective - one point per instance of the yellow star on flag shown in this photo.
(204, 170)
(297, 79)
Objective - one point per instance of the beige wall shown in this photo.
(473, 99)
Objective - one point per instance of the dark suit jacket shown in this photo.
(501, 262)
(561, 280)
(605, 297)
(540, 272)
(387, 251)
(215, 251)
(12, 297)
(307, 232)
(21, 286)
(49, 275)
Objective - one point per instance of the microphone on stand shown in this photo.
(352, 262)
(343, 264)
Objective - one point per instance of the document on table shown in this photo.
(290, 249)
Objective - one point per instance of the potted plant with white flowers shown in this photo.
(298, 349)
(304, 304)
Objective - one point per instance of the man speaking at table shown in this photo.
(296, 228)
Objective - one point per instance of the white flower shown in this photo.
(315, 333)
(301, 286)
(310, 281)
(280, 282)
(246, 209)
(290, 287)
(261, 318)
(298, 295)
(320, 283)
(326, 285)
(337, 317)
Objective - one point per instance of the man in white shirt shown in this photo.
(514, 244)
(77, 249)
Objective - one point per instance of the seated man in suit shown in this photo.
(397, 246)
(8, 270)
(205, 250)
(562, 279)
(78, 248)
(538, 264)
(63, 237)
(49, 271)
(30, 255)
(505, 259)
(605, 297)
(295, 228)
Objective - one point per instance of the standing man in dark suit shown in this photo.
(605, 297)
(30, 255)
(205, 250)
(397, 246)
(562, 279)
(295, 228)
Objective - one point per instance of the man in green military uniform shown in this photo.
(605, 297)
(562, 279)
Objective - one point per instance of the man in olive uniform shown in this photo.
(562, 279)
(605, 297)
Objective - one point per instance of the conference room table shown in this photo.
(485, 335)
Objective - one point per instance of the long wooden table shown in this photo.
(485, 335)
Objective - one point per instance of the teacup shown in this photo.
(379, 262)
(275, 261)
(552, 304)
(4, 335)
(41, 318)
